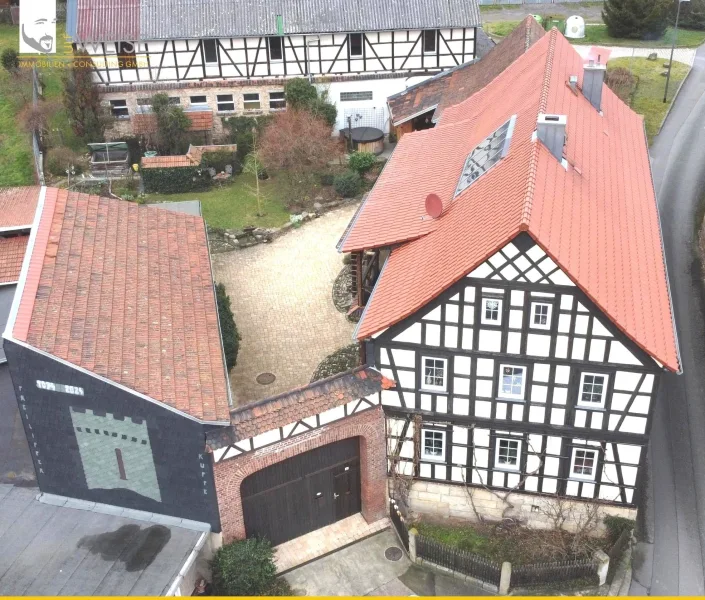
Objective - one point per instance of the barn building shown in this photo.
(511, 281)
(218, 58)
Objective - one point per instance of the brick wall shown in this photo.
(452, 501)
(368, 426)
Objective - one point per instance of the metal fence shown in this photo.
(36, 146)
(458, 560)
(543, 573)
(616, 552)
(519, 2)
(398, 522)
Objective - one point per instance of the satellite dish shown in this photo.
(434, 206)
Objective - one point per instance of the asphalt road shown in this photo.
(672, 559)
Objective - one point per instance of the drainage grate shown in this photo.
(266, 378)
(393, 553)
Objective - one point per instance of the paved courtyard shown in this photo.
(281, 297)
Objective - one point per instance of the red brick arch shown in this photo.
(368, 426)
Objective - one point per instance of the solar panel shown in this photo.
(486, 154)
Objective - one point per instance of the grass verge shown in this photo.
(647, 97)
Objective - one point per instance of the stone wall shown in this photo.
(368, 426)
(451, 501)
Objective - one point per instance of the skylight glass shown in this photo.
(486, 154)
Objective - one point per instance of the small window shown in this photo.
(491, 311)
(583, 464)
(355, 41)
(434, 374)
(429, 40)
(512, 381)
(225, 103)
(119, 109)
(251, 101)
(593, 388)
(507, 454)
(127, 58)
(353, 96)
(541, 315)
(434, 444)
(277, 101)
(199, 100)
(210, 51)
(275, 48)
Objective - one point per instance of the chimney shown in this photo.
(593, 78)
(550, 130)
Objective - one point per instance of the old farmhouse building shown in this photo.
(511, 278)
(218, 58)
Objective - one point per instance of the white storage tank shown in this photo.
(575, 27)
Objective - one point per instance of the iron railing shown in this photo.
(399, 524)
(458, 560)
(553, 572)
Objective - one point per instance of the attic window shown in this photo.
(486, 154)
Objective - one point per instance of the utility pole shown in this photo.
(673, 47)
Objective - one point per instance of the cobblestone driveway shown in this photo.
(281, 297)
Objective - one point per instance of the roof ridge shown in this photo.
(533, 159)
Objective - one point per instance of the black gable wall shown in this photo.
(99, 443)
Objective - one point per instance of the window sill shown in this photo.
(506, 470)
(580, 479)
(590, 408)
(430, 391)
(226, 112)
(516, 400)
(433, 459)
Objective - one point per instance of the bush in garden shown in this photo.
(616, 525)
(347, 184)
(361, 162)
(246, 568)
(327, 179)
(175, 180)
(221, 159)
(10, 60)
(228, 329)
(621, 81)
(60, 159)
(636, 19)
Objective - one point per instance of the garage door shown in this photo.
(303, 493)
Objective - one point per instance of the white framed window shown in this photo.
(434, 374)
(512, 382)
(210, 51)
(355, 43)
(491, 311)
(275, 48)
(356, 96)
(583, 464)
(507, 454)
(433, 444)
(199, 101)
(251, 101)
(119, 109)
(541, 315)
(593, 390)
(277, 100)
(225, 103)
(429, 41)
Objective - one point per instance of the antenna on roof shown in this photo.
(434, 206)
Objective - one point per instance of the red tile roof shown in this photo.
(17, 207)
(191, 158)
(12, 251)
(201, 120)
(126, 292)
(455, 85)
(598, 220)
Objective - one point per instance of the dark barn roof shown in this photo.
(133, 20)
(457, 84)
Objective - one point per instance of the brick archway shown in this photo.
(368, 426)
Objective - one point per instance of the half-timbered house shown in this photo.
(226, 58)
(509, 272)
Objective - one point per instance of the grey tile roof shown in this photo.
(112, 20)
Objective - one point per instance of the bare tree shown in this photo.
(299, 144)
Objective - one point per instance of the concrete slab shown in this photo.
(56, 550)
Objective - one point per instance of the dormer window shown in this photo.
(486, 154)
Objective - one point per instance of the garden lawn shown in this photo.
(232, 206)
(647, 98)
(16, 160)
(597, 34)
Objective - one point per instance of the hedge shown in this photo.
(174, 180)
(228, 329)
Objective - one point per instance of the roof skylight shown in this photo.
(486, 154)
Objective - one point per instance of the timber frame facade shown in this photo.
(539, 437)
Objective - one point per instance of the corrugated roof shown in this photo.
(125, 291)
(597, 219)
(121, 20)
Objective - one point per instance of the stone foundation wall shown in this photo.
(452, 502)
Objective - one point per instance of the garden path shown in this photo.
(281, 298)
